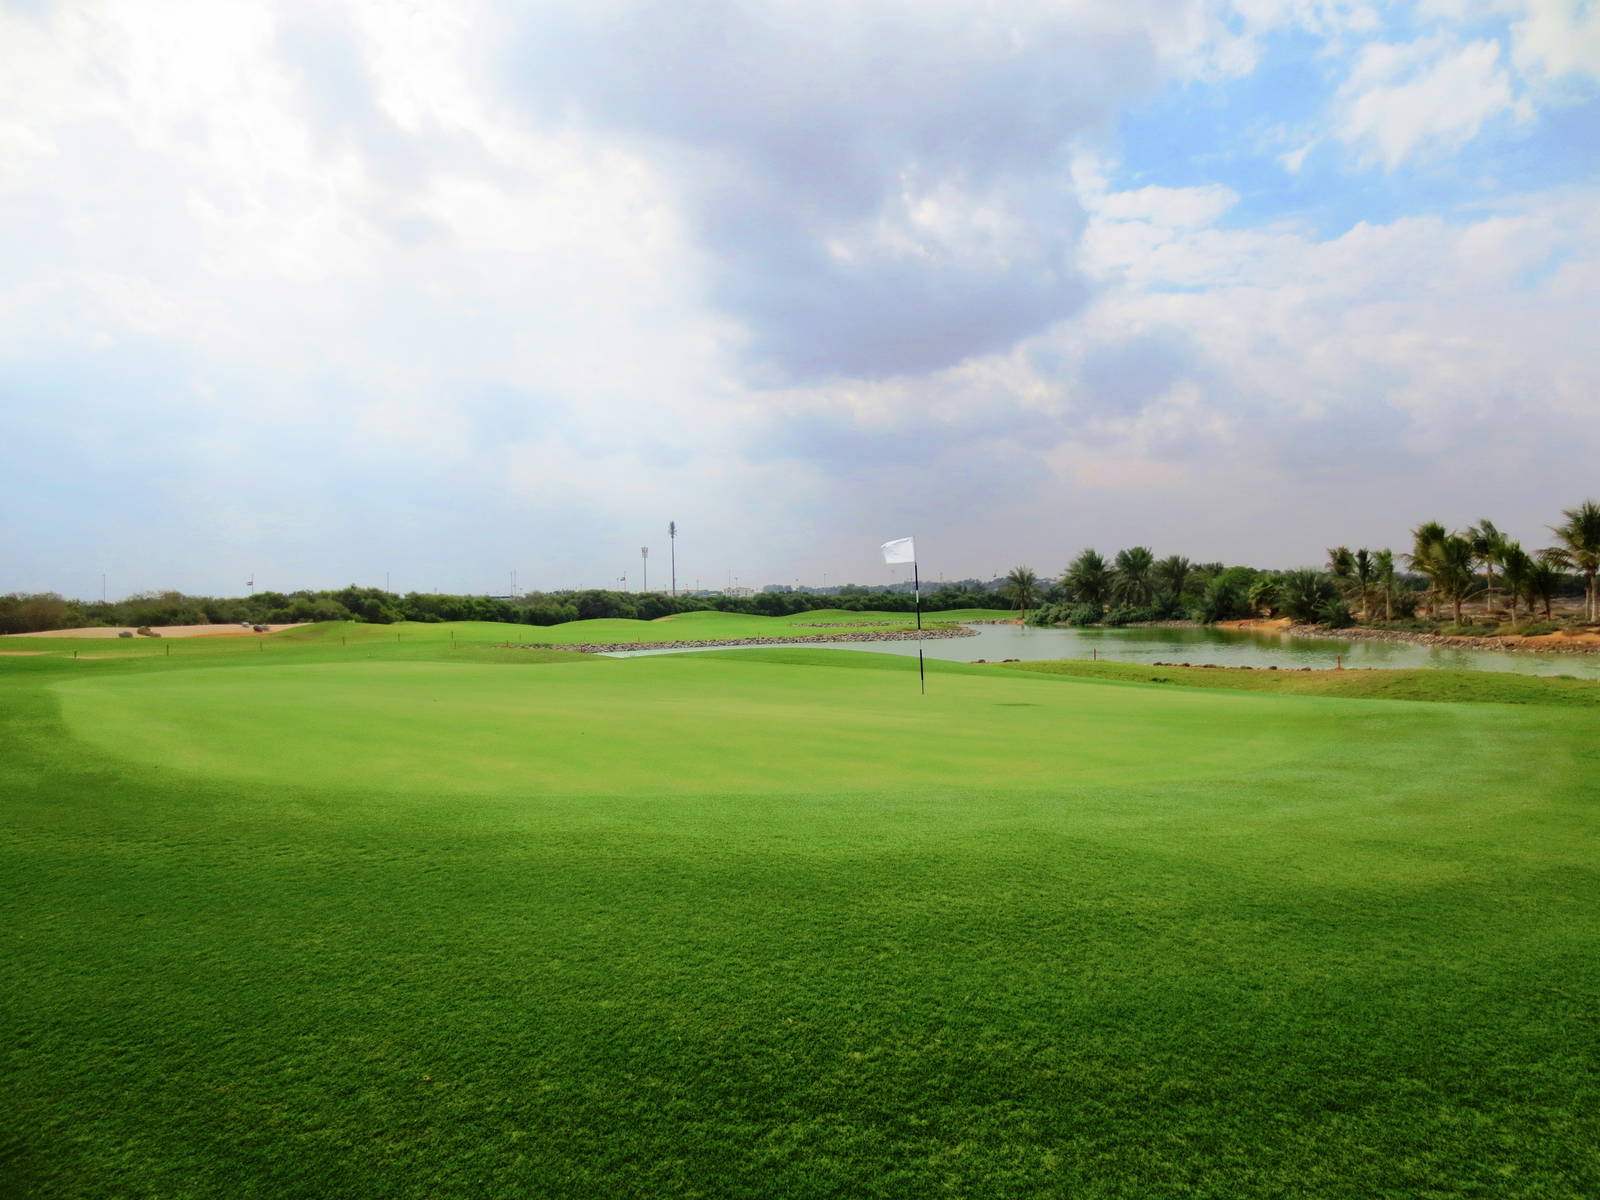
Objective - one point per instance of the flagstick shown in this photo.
(916, 590)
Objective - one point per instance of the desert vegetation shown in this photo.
(1448, 571)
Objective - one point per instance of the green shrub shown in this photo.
(1335, 614)
(1125, 614)
(1222, 600)
(1303, 594)
(1084, 614)
(1047, 614)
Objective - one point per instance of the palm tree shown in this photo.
(1263, 594)
(1088, 579)
(1342, 563)
(1515, 564)
(1543, 584)
(1130, 578)
(1022, 586)
(1580, 549)
(1425, 539)
(1383, 575)
(1305, 592)
(1171, 574)
(1488, 543)
(1363, 567)
(1451, 565)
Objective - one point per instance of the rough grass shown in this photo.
(357, 921)
(1476, 687)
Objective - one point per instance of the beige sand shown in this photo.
(166, 631)
(1262, 623)
(1564, 637)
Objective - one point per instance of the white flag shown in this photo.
(899, 551)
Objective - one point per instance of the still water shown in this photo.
(1224, 647)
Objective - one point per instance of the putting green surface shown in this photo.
(682, 724)
(360, 922)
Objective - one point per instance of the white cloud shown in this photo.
(1559, 37)
(1424, 97)
(1172, 208)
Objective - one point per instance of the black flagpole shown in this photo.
(916, 590)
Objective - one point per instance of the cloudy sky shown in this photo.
(312, 293)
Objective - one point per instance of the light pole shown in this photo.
(672, 544)
(644, 568)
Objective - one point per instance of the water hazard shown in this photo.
(1224, 647)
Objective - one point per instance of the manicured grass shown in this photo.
(395, 919)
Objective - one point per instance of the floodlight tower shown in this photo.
(644, 568)
(672, 543)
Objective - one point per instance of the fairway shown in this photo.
(380, 920)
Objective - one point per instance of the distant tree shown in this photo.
(1343, 564)
(1543, 584)
(1488, 545)
(1579, 549)
(1170, 575)
(1451, 566)
(1363, 568)
(1425, 539)
(1222, 599)
(1515, 563)
(1022, 588)
(34, 612)
(1088, 580)
(1263, 595)
(1131, 582)
(1383, 575)
(1304, 594)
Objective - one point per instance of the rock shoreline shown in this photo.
(1457, 641)
(904, 635)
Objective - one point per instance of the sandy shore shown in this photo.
(166, 631)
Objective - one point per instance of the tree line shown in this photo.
(1444, 568)
(32, 612)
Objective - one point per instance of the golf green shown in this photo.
(321, 922)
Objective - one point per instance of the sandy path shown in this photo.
(111, 631)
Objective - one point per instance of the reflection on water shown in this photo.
(1224, 647)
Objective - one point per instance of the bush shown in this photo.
(1084, 614)
(1335, 614)
(1303, 594)
(308, 608)
(1046, 615)
(1222, 600)
(1125, 614)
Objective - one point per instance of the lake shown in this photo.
(1224, 647)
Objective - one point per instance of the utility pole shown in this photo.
(644, 568)
(672, 542)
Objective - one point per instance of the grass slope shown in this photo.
(380, 920)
